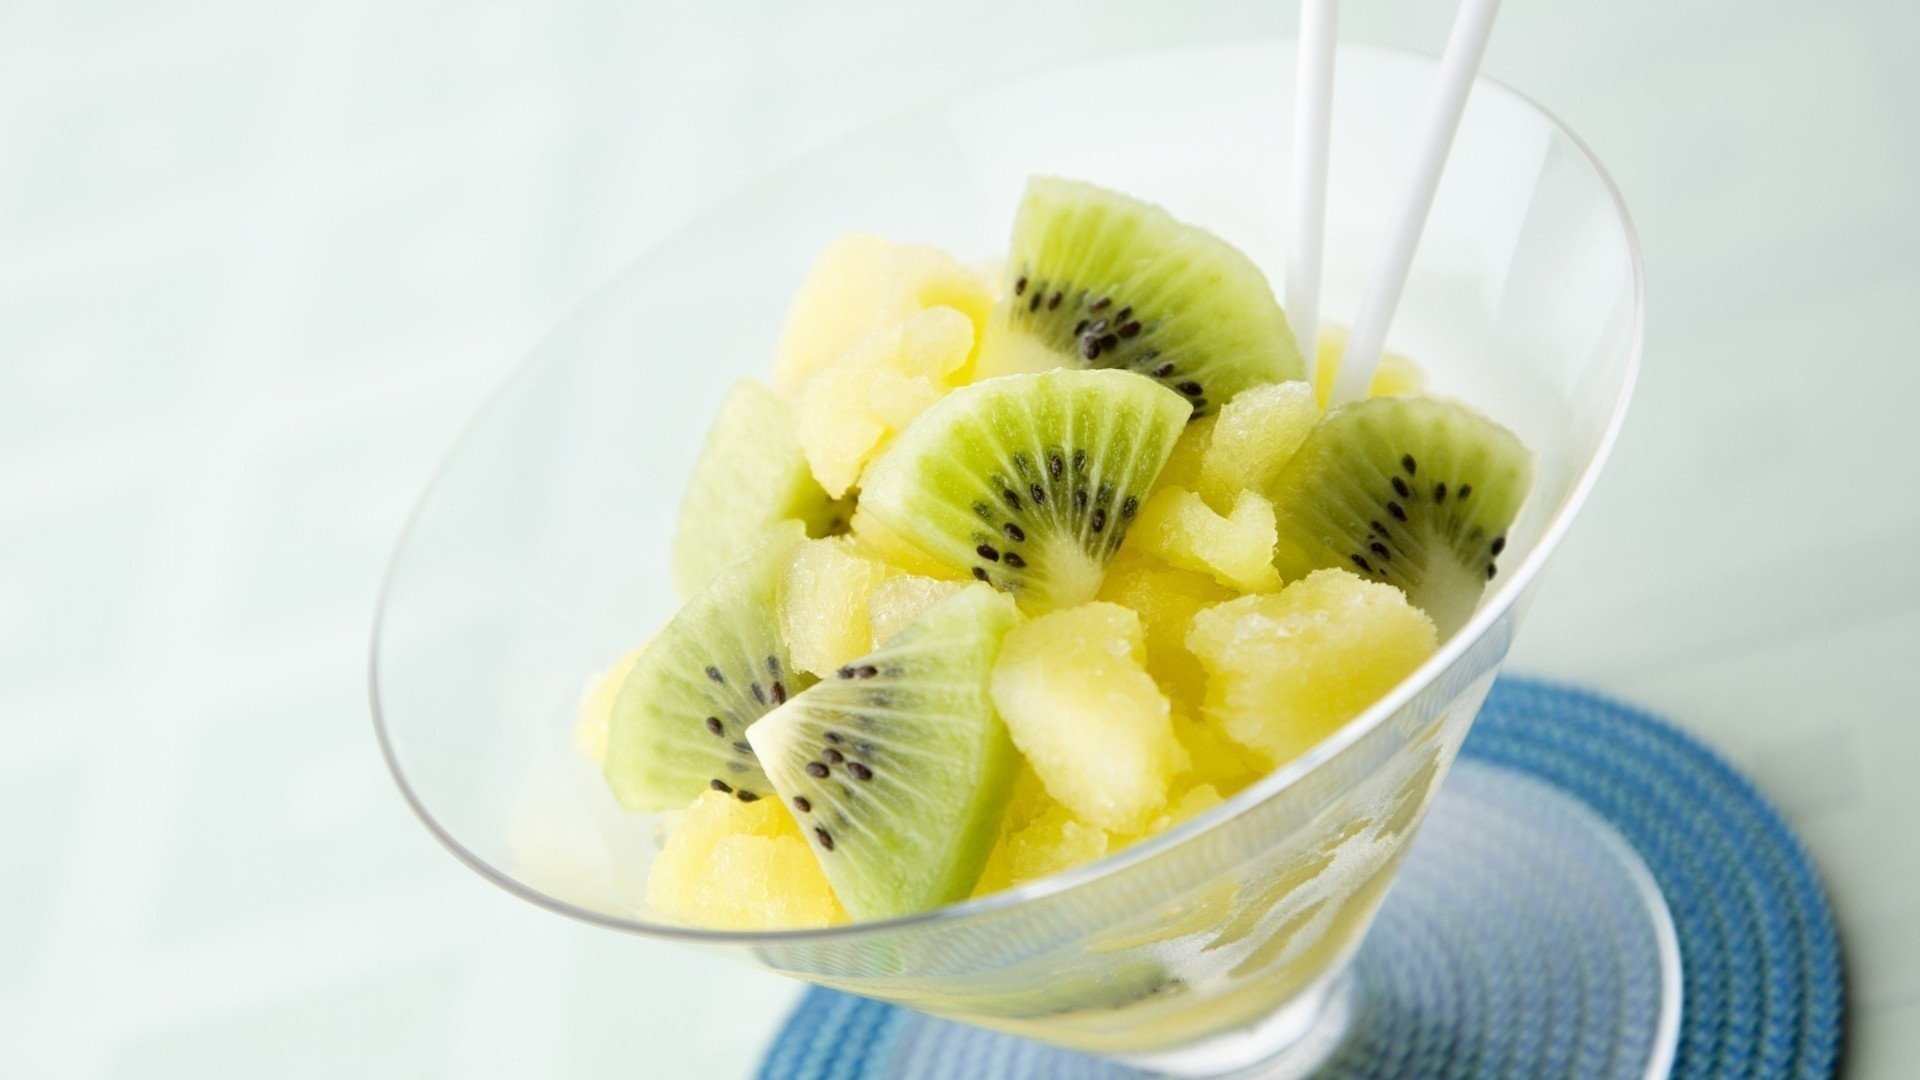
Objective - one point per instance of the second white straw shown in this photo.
(1458, 67)
(1312, 119)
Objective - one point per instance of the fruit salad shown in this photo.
(1008, 567)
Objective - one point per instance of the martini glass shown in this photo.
(1223, 946)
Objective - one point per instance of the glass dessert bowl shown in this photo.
(541, 549)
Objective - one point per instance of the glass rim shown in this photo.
(1267, 787)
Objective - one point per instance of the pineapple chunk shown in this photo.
(845, 414)
(1393, 376)
(1054, 841)
(897, 601)
(837, 425)
(1192, 801)
(1253, 436)
(1284, 671)
(1039, 836)
(991, 273)
(1027, 799)
(1015, 354)
(1216, 761)
(740, 866)
(823, 604)
(874, 540)
(1237, 550)
(1184, 463)
(596, 706)
(1189, 804)
(1050, 841)
(1073, 689)
(862, 283)
(1167, 599)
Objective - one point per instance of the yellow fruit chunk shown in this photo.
(1037, 837)
(740, 866)
(872, 538)
(1190, 803)
(1284, 671)
(990, 272)
(839, 426)
(596, 707)
(1045, 836)
(847, 412)
(1166, 599)
(1183, 466)
(1040, 836)
(823, 604)
(1052, 841)
(1026, 800)
(1015, 353)
(933, 344)
(1253, 436)
(1073, 689)
(897, 601)
(862, 283)
(1394, 375)
(1215, 760)
(1237, 550)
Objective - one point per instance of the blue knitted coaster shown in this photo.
(1760, 955)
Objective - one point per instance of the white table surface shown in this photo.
(258, 262)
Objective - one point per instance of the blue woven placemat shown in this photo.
(1760, 953)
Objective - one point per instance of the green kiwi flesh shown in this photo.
(1413, 491)
(896, 767)
(751, 473)
(1028, 482)
(679, 724)
(1105, 280)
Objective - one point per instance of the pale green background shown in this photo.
(258, 261)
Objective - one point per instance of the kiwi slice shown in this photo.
(1028, 482)
(897, 767)
(1413, 491)
(1105, 280)
(679, 725)
(751, 474)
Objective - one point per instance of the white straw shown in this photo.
(1312, 117)
(1457, 68)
